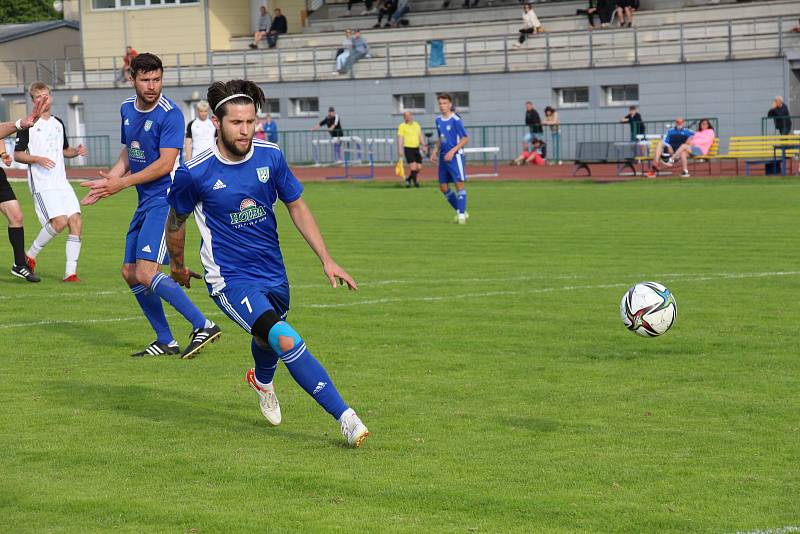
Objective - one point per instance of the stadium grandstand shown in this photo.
(721, 59)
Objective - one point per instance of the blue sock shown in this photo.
(266, 362)
(462, 201)
(166, 288)
(307, 371)
(154, 311)
(451, 198)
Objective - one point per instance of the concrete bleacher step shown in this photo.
(417, 17)
(645, 20)
(339, 9)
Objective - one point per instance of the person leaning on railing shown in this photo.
(551, 119)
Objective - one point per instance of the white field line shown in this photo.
(377, 283)
(390, 300)
(780, 530)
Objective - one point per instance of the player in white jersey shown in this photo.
(9, 206)
(43, 148)
(200, 132)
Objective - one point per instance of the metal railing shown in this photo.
(298, 145)
(769, 125)
(98, 148)
(703, 41)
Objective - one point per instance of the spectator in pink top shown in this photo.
(696, 146)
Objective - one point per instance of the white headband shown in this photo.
(237, 95)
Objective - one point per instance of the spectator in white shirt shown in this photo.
(530, 24)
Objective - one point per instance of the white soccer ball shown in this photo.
(648, 309)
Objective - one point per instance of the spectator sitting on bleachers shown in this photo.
(530, 24)
(343, 54)
(278, 27)
(403, 7)
(590, 12)
(360, 50)
(672, 141)
(446, 4)
(696, 146)
(264, 22)
(367, 3)
(605, 10)
(386, 8)
(625, 10)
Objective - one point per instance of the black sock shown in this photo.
(17, 238)
(413, 176)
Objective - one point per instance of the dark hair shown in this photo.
(550, 109)
(444, 96)
(700, 124)
(145, 62)
(218, 91)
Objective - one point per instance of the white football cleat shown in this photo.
(353, 429)
(462, 219)
(267, 400)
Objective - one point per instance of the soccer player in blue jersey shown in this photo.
(152, 132)
(232, 189)
(452, 138)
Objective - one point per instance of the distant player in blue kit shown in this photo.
(152, 132)
(232, 189)
(452, 138)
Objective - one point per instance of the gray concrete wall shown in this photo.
(738, 93)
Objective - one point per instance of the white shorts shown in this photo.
(53, 203)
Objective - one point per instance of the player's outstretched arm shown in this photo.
(117, 171)
(109, 183)
(176, 240)
(74, 152)
(9, 128)
(306, 224)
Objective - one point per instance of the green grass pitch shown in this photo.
(489, 361)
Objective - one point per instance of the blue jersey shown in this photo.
(144, 133)
(677, 136)
(233, 205)
(450, 132)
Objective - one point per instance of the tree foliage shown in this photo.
(20, 11)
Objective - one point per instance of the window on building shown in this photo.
(127, 4)
(572, 97)
(622, 95)
(414, 102)
(273, 107)
(305, 107)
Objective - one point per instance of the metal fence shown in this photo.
(676, 43)
(98, 151)
(298, 145)
(768, 126)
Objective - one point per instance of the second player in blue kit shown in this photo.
(151, 131)
(232, 189)
(450, 155)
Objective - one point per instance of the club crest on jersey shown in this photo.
(263, 174)
(147, 125)
(248, 211)
(135, 151)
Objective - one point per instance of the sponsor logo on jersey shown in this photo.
(135, 151)
(248, 211)
(219, 185)
(127, 122)
(263, 174)
(149, 124)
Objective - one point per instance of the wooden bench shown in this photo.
(760, 149)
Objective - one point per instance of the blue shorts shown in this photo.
(697, 151)
(244, 304)
(145, 239)
(453, 170)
